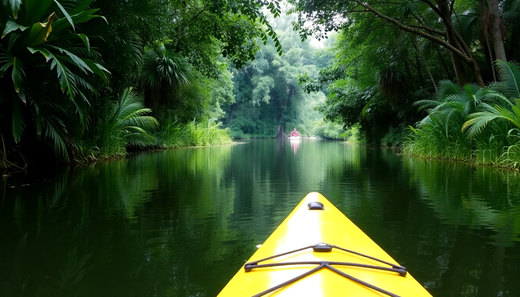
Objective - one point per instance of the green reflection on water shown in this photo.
(182, 222)
(476, 197)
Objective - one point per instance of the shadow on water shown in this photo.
(145, 226)
(181, 222)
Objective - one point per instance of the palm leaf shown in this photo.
(65, 76)
(77, 61)
(51, 127)
(66, 14)
(509, 73)
(479, 120)
(81, 7)
(78, 18)
(126, 123)
(56, 131)
(447, 88)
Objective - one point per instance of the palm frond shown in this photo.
(509, 73)
(426, 104)
(127, 122)
(478, 122)
(49, 126)
(447, 88)
(164, 72)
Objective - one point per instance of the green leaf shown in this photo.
(35, 10)
(510, 74)
(65, 76)
(42, 51)
(55, 130)
(40, 32)
(22, 96)
(79, 18)
(85, 39)
(17, 121)
(11, 26)
(5, 62)
(81, 7)
(17, 74)
(12, 39)
(15, 7)
(98, 69)
(77, 60)
(66, 14)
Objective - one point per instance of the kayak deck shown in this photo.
(320, 252)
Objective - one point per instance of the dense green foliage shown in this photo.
(125, 123)
(268, 100)
(475, 122)
(67, 65)
(66, 68)
(389, 55)
(45, 68)
(194, 134)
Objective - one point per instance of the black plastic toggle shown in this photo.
(316, 206)
(322, 248)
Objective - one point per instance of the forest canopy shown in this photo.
(90, 79)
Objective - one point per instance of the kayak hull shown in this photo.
(322, 275)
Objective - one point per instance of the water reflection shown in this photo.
(294, 144)
(181, 222)
(479, 210)
(476, 197)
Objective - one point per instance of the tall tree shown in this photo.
(496, 25)
(228, 27)
(268, 97)
(415, 17)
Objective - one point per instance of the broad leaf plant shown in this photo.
(46, 63)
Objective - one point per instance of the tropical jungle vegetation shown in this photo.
(438, 75)
(84, 79)
(91, 79)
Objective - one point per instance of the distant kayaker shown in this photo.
(294, 132)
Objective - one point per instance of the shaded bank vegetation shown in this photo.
(90, 79)
(430, 65)
(67, 67)
(480, 124)
(204, 71)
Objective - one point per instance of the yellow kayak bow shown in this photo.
(318, 251)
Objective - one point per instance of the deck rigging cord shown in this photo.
(322, 248)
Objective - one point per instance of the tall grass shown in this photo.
(330, 130)
(194, 134)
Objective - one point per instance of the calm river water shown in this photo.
(182, 222)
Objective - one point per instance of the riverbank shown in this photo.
(170, 136)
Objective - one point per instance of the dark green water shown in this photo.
(182, 222)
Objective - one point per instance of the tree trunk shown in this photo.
(484, 35)
(458, 48)
(420, 55)
(496, 26)
(458, 66)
